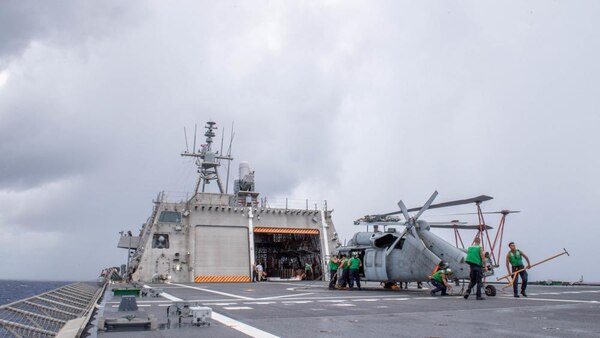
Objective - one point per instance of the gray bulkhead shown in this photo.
(213, 238)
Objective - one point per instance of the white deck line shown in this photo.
(241, 327)
(229, 322)
(558, 300)
(213, 291)
(166, 295)
(287, 296)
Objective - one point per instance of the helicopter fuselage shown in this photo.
(410, 256)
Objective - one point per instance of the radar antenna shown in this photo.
(207, 160)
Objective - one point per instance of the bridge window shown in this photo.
(170, 217)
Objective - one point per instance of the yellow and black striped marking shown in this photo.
(222, 279)
(304, 231)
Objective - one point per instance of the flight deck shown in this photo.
(309, 309)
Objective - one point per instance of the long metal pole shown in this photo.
(538, 263)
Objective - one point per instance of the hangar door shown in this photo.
(221, 254)
(284, 252)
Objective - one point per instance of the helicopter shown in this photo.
(413, 255)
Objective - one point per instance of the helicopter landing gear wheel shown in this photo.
(490, 290)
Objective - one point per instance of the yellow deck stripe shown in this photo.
(222, 279)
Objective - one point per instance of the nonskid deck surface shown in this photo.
(305, 309)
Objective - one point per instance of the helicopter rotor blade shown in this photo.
(503, 212)
(458, 226)
(427, 204)
(404, 211)
(391, 248)
(478, 199)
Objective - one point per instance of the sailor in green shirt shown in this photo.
(354, 268)
(333, 267)
(343, 274)
(476, 260)
(515, 258)
(440, 281)
(308, 271)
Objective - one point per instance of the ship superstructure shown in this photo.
(217, 237)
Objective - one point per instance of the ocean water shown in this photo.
(13, 290)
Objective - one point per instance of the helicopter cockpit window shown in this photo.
(160, 241)
(170, 217)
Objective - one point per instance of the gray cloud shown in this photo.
(360, 104)
(62, 23)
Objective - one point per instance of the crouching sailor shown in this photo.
(440, 281)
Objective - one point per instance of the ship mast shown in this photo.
(207, 160)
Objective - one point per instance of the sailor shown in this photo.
(308, 271)
(515, 258)
(354, 266)
(440, 281)
(333, 268)
(475, 259)
(259, 271)
(254, 274)
(343, 274)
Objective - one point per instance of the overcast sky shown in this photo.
(361, 103)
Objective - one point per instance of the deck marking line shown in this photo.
(404, 298)
(214, 291)
(286, 296)
(166, 295)
(237, 308)
(558, 300)
(343, 305)
(296, 301)
(259, 303)
(241, 327)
